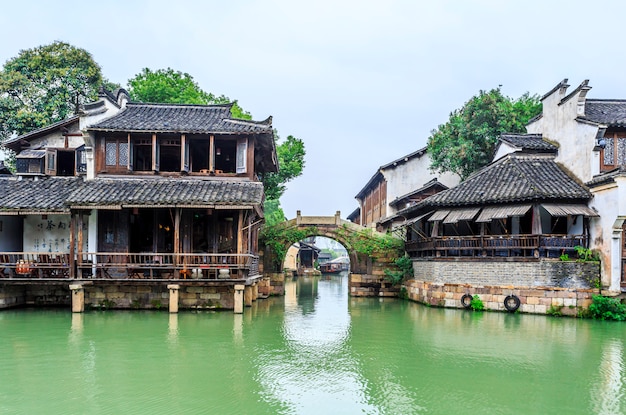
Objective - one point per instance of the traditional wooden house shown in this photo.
(522, 205)
(163, 190)
(392, 182)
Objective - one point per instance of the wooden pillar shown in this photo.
(80, 240)
(183, 159)
(173, 306)
(211, 153)
(72, 245)
(176, 238)
(78, 298)
(238, 299)
(240, 233)
(155, 153)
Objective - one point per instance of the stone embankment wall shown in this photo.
(535, 300)
(129, 295)
(541, 285)
(36, 295)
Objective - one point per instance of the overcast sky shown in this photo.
(362, 83)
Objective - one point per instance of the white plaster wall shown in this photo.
(10, 231)
(90, 119)
(575, 140)
(48, 235)
(610, 201)
(411, 175)
(503, 150)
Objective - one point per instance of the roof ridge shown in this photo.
(174, 105)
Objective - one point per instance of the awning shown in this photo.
(439, 215)
(31, 154)
(461, 214)
(411, 221)
(501, 212)
(566, 210)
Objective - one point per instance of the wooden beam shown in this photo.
(183, 139)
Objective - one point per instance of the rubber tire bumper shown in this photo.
(466, 300)
(511, 303)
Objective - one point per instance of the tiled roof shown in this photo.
(513, 178)
(528, 142)
(606, 111)
(38, 194)
(607, 177)
(166, 192)
(180, 119)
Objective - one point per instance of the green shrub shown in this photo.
(607, 308)
(477, 304)
(405, 270)
(586, 254)
(564, 257)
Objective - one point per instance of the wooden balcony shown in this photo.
(129, 265)
(497, 246)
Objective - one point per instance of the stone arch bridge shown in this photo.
(367, 265)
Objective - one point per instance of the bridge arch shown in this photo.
(367, 265)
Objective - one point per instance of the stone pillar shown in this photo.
(255, 291)
(238, 300)
(173, 297)
(247, 296)
(78, 298)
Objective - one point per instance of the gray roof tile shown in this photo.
(514, 178)
(40, 194)
(180, 119)
(166, 192)
(528, 142)
(611, 112)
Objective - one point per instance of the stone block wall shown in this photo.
(534, 300)
(157, 297)
(523, 273)
(11, 296)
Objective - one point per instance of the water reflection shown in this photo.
(316, 372)
(608, 389)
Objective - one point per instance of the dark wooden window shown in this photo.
(614, 153)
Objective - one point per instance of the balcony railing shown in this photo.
(129, 265)
(496, 246)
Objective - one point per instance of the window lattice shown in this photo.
(621, 151)
(123, 157)
(111, 154)
(609, 156)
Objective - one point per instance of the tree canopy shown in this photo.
(291, 154)
(466, 142)
(176, 87)
(45, 84)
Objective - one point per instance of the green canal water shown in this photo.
(315, 351)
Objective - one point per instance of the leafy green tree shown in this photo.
(291, 154)
(175, 87)
(44, 85)
(273, 212)
(466, 142)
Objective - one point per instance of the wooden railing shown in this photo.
(496, 246)
(50, 265)
(129, 265)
